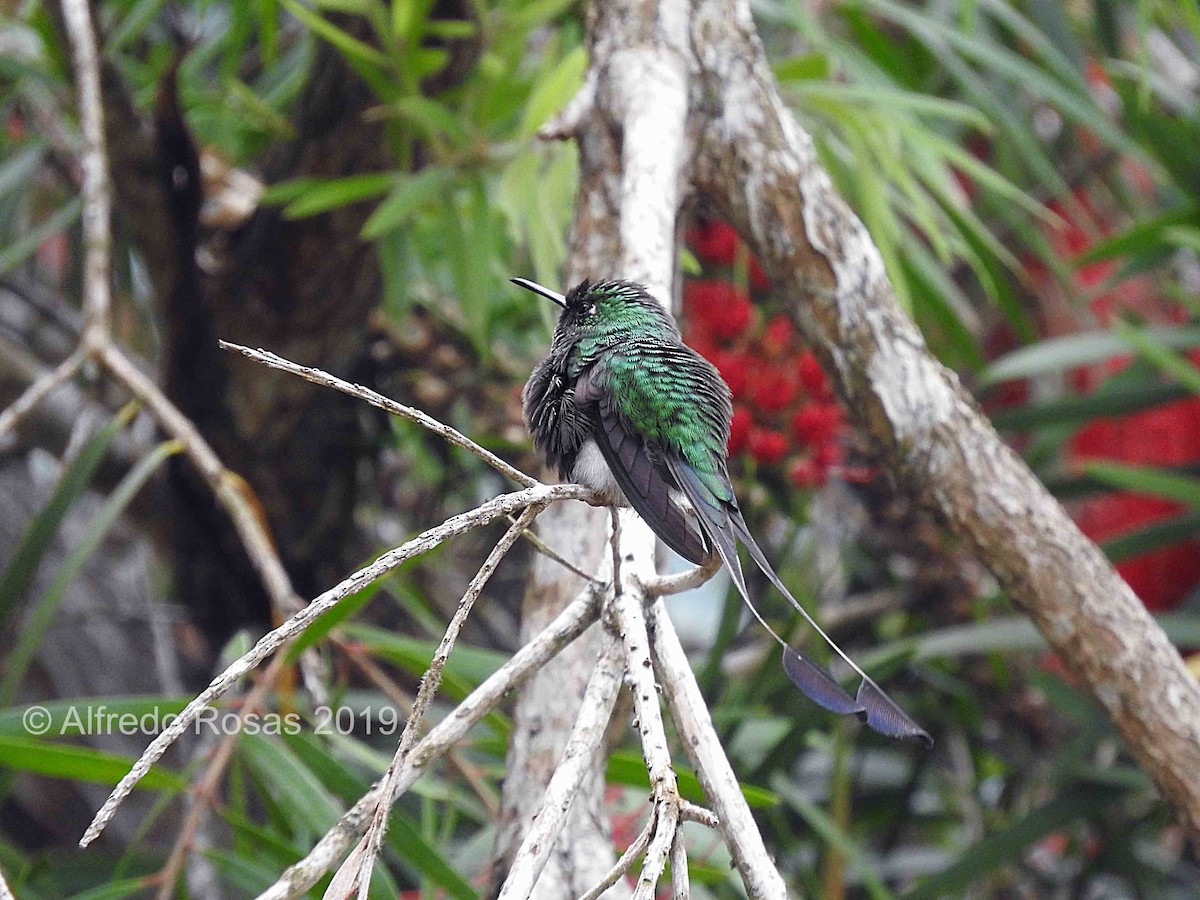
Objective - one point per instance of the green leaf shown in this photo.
(79, 764)
(1147, 235)
(468, 666)
(15, 172)
(25, 246)
(827, 829)
(804, 67)
(628, 768)
(1159, 354)
(71, 484)
(351, 47)
(41, 615)
(409, 195)
(302, 797)
(551, 92)
(1084, 349)
(337, 192)
(1146, 480)
(1163, 533)
(84, 715)
(1008, 845)
(1116, 400)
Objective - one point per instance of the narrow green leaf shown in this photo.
(1159, 354)
(828, 830)
(551, 92)
(1145, 235)
(16, 171)
(1163, 533)
(1084, 349)
(1008, 844)
(1146, 480)
(79, 764)
(42, 613)
(628, 768)
(409, 195)
(338, 192)
(305, 801)
(350, 46)
(71, 484)
(1114, 401)
(23, 248)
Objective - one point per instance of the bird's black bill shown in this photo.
(886, 717)
(819, 687)
(552, 296)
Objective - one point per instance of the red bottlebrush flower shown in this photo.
(805, 473)
(734, 368)
(817, 423)
(812, 376)
(718, 307)
(713, 242)
(739, 430)
(778, 337)
(774, 391)
(828, 454)
(766, 446)
(758, 278)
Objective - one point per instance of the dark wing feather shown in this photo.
(716, 519)
(641, 475)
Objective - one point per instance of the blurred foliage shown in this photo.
(969, 136)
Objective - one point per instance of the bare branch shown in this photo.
(569, 625)
(703, 749)
(97, 189)
(663, 585)
(452, 435)
(40, 390)
(681, 887)
(585, 740)
(373, 840)
(631, 625)
(625, 863)
(280, 636)
(5, 891)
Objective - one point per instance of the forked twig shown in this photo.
(280, 636)
(360, 875)
(567, 626)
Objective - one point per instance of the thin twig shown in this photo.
(373, 840)
(625, 863)
(452, 435)
(662, 585)
(703, 748)
(550, 553)
(278, 637)
(681, 887)
(630, 622)
(204, 791)
(40, 390)
(567, 626)
(96, 188)
(586, 737)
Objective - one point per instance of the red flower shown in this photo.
(734, 368)
(805, 473)
(739, 430)
(718, 307)
(758, 278)
(713, 242)
(812, 376)
(817, 423)
(778, 336)
(767, 447)
(774, 390)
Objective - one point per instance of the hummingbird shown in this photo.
(623, 406)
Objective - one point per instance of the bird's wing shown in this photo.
(882, 713)
(716, 517)
(638, 469)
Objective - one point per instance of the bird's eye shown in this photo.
(590, 309)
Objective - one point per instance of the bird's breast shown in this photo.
(591, 470)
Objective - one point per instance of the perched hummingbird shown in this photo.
(623, 406)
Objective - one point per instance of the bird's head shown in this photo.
(605, 308)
